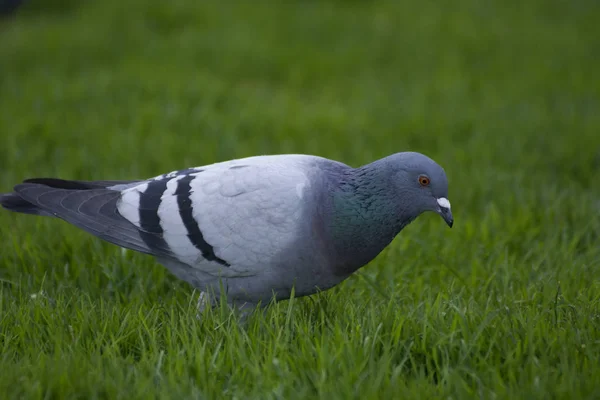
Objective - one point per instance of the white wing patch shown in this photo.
(174, 231)
(129, 204)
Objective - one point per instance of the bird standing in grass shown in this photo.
(255, 228)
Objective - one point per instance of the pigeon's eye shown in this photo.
(424, 180)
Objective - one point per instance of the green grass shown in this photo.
(504, 94)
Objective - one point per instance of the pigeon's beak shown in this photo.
(444, 211)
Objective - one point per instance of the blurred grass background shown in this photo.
(505, 95)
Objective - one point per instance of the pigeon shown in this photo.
(256, 229)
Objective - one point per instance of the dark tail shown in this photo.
(15, 203)
(91, 206)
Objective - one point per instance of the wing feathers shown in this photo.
(15, 203)
(91, 210)
(163, 211)
(186, 212)
(149, 222)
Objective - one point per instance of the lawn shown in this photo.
(505, 95)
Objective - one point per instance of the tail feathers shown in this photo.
(77, 185)
(15, 203)
(86, 205)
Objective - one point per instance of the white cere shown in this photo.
(443, 202)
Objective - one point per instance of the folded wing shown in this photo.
(227, 219)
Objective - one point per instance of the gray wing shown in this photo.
(229, 219)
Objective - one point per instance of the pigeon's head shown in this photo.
(421, 185)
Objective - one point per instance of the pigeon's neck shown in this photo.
(366, 216)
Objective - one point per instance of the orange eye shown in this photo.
(423, 180)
